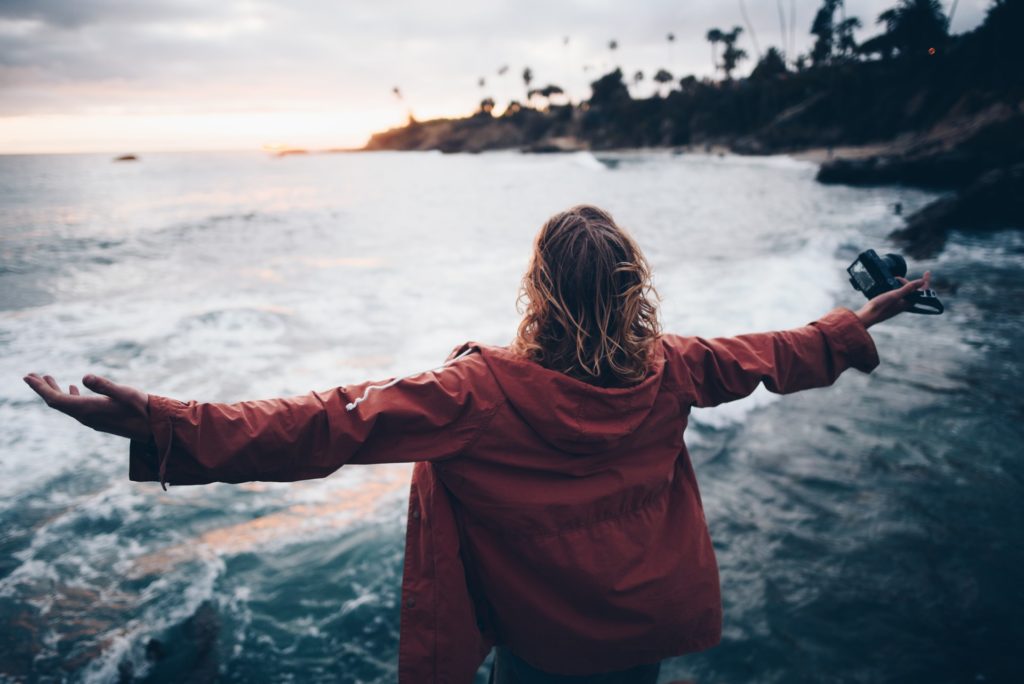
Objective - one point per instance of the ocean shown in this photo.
(868, 532)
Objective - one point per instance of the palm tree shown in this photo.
(546, 92)
(769, 66)
(915, 26)
(638, 78)
(714, 37)
(750, 28)
(527, 79)
(568, 58)
(397, 92)
(846, 44)
(732, 55)
(613, 45)
(792, 28)
(782, 28)
(823, 28)
(502, 71)
(549, 91)
(661, 78)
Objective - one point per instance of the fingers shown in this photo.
(925, 280)
(98, 384)
(102, 385)
(910, 286)
(37, 384)
(46, 388)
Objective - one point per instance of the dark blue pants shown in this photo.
(509, 669)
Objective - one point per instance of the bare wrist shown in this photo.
(867, 316)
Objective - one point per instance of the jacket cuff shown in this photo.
(850, 338)
(147, 460)
(142, 461)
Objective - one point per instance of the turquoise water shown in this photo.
(868, 532)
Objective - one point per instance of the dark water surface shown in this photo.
(870, 532)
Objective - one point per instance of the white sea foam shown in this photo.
(586, 160)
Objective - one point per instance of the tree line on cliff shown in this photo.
(906, 79)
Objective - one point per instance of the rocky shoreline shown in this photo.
(980, 159)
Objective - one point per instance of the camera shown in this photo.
(874, 275)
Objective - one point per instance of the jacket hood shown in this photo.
(569, 414)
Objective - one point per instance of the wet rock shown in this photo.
(950, 156)
(555, 145)
(154, 650)
(945, 170)
(203, 628)
(188, 651)
(125, 672)
(995, 200)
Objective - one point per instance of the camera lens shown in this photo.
(897, 264)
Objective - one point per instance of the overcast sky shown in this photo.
(132, 75)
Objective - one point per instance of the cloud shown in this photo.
(73, 14)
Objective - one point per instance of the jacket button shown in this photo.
(416, 514)
(410, 603)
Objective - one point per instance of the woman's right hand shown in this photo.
(117, 409)
(891, 303)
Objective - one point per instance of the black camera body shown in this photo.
(874, 275)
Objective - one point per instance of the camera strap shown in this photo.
(925, 302)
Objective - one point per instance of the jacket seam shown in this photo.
(683, 393)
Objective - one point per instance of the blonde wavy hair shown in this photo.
(589, 307)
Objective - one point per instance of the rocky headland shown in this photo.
(950, 119)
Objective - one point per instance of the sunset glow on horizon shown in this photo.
(116, 133)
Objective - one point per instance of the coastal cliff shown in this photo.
(942, 118)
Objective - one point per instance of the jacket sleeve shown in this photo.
(430, 416)
(728, 368)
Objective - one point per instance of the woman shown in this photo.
(553, 511)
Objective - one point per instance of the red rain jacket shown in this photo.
(556, 517)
